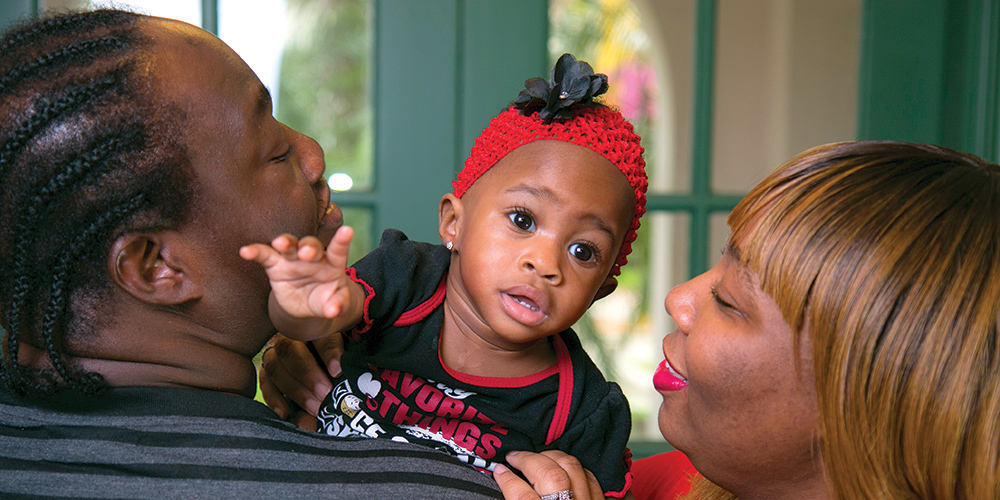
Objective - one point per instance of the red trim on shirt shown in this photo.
(624, 490)
(366, 320)
(565, 396)
(508, 382)
(422, 310)
(628, 478)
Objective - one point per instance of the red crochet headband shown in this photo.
(599, 129)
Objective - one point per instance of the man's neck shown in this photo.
(163, 349)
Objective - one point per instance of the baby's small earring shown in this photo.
(450, 245)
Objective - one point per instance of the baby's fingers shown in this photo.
(332, 308)
(310, 249)
(287, 245)
(339, 247)
(259, 253)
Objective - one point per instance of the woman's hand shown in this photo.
(293, 381)
(551, 474)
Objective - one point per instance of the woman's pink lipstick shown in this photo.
(666, 379)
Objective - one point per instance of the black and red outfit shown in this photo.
(394, 384)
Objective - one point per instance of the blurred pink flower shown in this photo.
(633, 89)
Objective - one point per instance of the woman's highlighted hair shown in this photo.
(888, 255)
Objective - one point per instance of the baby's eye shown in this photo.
(583, 252)
(522, 220)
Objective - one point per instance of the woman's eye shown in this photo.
(522, 220)
(582, 252)
(719, 300)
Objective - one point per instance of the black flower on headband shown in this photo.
(571, 82)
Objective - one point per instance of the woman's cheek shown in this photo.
(718, 379)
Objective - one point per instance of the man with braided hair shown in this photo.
(137, 155)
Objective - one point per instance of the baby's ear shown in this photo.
(609, 285)
(449, 213)
(145, 266)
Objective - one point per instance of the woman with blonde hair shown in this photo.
(846, 345)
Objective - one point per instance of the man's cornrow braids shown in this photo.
(30, 32)
(85, 155)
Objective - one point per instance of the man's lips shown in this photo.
(330, 219)
(332, 214)
(667, 379)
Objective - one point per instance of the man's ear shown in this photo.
(609, 285)
(449, 214)
(143, 265)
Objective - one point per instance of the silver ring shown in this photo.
(559, 495)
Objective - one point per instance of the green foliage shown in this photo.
(577, 26)
(323, 90)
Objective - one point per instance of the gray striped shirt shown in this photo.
(149, 442)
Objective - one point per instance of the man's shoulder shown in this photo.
(200, 444)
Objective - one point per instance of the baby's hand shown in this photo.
(305, 280)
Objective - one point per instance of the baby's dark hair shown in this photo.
(88, 152)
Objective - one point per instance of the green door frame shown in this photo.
(702, 202)
(929, 73)
(428, 110)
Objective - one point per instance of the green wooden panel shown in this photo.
(701, 169)
(441, 69)
(504, 44)
(984, 138)
(902, 70)
(16, 10)
(210, 16)
(415, 75)
(929, 73)
(972, 85)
